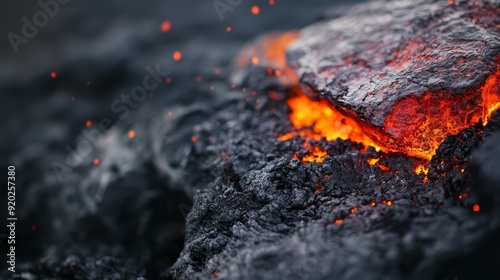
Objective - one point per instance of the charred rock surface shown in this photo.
(268, 217)
(401, 64)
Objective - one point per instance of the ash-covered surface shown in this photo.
(256, 213)
(395, 51)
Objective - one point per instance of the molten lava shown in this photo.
(422, 123)
(315, 120)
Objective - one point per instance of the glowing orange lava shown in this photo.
(421, 169)
(416, 126)
(422, 124)
(316, 154)
(324, 121)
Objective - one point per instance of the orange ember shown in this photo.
(165, 26)
(316, 155)
(387, 202)
(53, 75)
(131, 134)
(421, 169)
(476, 208)
(177, 55)
(96, 161)
(255, 10)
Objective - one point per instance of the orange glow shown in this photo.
(326, 122)
(338, 221)
(177, 55)
(383, 167)
(165, 26)
(193, 138)
(416, 126)
(373, 204)
(88, 123)
(255, 10)
(131, 134)
(271, 2)
(373, 161)
(316, 155)
(388, 202)
(271, 52)
(435, 116)
(96, 161)
(354, 209)
(421, 169)
(476, 208)
(228, 29)
(53, 75)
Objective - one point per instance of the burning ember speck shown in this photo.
(177, 55)
(165, 26)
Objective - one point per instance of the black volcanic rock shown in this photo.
(265, 216)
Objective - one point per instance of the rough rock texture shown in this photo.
(265, 216)
(432, 55)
